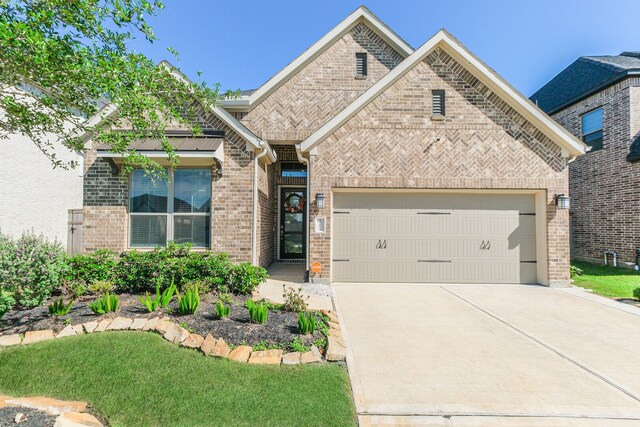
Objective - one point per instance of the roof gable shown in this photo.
(482, 72)
(362, 14)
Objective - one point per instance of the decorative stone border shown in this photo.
(70, 413)
(209, 345)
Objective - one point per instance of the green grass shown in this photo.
(139, 379)
(607, 281)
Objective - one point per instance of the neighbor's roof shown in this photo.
(361, 14)
(570, 145)
(584, 77)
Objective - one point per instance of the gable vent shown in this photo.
(437, 102)
(361, 64)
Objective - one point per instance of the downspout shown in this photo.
(305, 162)
(254, 246)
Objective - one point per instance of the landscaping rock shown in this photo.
(333, 317)
(78, 329)
(89, 327)
(312, 356)
(102, 326)
(163, 324)
(77, 419)
(267, 357)
(335, 333)
(66, 332)
(19, 418)
(32, 337)
(138, 324)
(240, 354)
(151, 324)
(120, 324)
(336, 350)
(208, 344)
(176, 334)
(193, 341)
(291, 358)
(9, 340)
(220, 349)
(48, 405)
(333, 325)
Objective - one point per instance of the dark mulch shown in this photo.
(631, 301)
(281, 327)
(33, 418)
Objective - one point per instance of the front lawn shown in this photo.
(139, 379)
(607, 281)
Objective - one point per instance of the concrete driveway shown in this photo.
(490, 355)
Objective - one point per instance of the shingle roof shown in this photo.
(584, 76)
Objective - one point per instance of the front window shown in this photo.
(178, 209)
(293, 170)
(592, 129)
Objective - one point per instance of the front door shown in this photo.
(293, 217)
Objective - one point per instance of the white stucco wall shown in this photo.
(33, 195)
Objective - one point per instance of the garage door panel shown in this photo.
(442, 238)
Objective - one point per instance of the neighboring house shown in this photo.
(34, 195)
(366, 160)
(597, 98)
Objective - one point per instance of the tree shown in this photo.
(63, 61)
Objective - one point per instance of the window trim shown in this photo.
(170, 214)
(601, 129)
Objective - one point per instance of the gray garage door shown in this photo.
(441, 238)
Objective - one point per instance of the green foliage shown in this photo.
(190, 301)
(297, 344)
(105, 304)
(306, 322)
(222, 310)
(636, 294)
(76, 54)
(101, 287)
(59, 308)
(6, 302)
(320, 342)
(265, 345)
(226, 298)
(73, 289)
(139, 271)
(162, 298)
(94, 267)
(258, 312)
(31, 267)
(246, 277)
(575, 271)
(294, 300)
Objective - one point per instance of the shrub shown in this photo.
(257, 312)
(101, 287)
(297, 344)
(306, 322)
(73, 289)
(189, 303)
(161, 300)
(89, 268)
(575, 271)
(294, 300)
(222, 310)
(59, 308)
(244, 278)
(6, 302)
(31, 268)
(636, 293)
(105, 304)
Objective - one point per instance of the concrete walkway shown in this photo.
(489, 355)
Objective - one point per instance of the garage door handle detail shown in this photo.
(382, 244)
(340, 260)
(434, 260)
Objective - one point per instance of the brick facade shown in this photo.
(481, 144)
(605, 201)
(321, 89)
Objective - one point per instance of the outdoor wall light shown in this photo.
(320, 200)
(562, 201)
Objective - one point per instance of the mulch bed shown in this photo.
(281, 326)
(32, 418)
(631, 301)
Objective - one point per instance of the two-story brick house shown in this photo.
(597, 98)
(366, 158)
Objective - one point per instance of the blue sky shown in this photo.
(241, 44)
